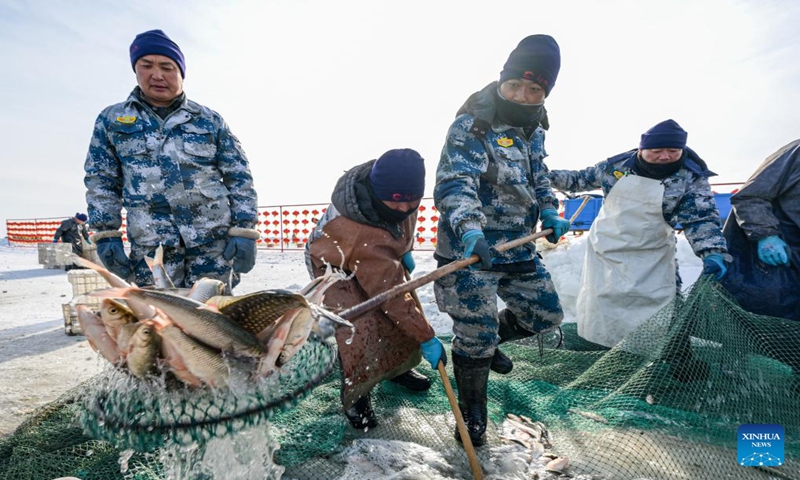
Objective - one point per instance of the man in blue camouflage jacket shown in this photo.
(178, 171)
(491, 188)
(630, 270)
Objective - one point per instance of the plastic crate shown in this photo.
(71, 324)
(586, 217)
(55, 255)
(85, 281)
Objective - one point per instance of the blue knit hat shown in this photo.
(156, 42)
(398, 176)
(81, 216)
(537, 58)
(667, 134)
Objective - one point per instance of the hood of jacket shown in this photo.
(351, 197)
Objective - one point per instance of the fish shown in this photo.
(95, 331)
(115, 314)
(274, 342)
(124, 335)
(143, 350)
(161, 278)
(258, 311)
(303, 319)
(111, 278)
(206, 288)
(557, 465)
(191, 361)
(537, 431)
(141, 310)
(201, 322)
(589, 415)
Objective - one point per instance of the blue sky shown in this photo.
(312, 88)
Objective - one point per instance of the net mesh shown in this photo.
(665, 403)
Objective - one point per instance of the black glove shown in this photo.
(112, 253)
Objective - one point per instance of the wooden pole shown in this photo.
(466, 440)
(440, 272)
(477, 471)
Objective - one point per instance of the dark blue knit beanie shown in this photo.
(398, 176)
(667, 134)
(537, 58)
(156, 42)
(81, 216)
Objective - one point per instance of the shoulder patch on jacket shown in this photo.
(505, 142)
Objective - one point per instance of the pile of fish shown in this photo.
(198, 335)
(536, 439)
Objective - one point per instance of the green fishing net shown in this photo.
(665, 403)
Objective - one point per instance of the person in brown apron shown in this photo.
(367, 233)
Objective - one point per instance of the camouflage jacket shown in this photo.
(496, 182)
(185, 177)
(688, 199)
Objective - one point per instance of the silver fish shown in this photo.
(95, 331)
(141, 310)
(195, 318)
(143, 349)
(114, 315)
(191, 361)
(206, 288)
(161, 278)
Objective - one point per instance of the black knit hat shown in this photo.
(667, 134)
(398, 176)
(156, 42)
(537, 58)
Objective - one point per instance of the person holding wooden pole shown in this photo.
(492, 188)
(367, 233)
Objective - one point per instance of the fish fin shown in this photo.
(114, 292)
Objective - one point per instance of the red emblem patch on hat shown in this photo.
(535, 77)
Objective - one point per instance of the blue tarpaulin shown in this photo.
(592, 208)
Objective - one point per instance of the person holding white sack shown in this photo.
(630, 271)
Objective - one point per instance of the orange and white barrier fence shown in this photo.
(282, 227)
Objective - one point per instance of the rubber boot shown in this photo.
(509, 327)
(360, 414)
(413, 380)
(501, 363)
(472, 376)
(508, 330)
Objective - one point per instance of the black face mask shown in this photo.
(384, 212)
(518, 115)
(388, 214)
(656, 171)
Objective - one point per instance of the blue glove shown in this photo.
(433, 351)
(714, 264)
(551, 219)
(112, 253)
(773, 251)
(408, 261)
(475, 243)
(243, 253)
(55, 241)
